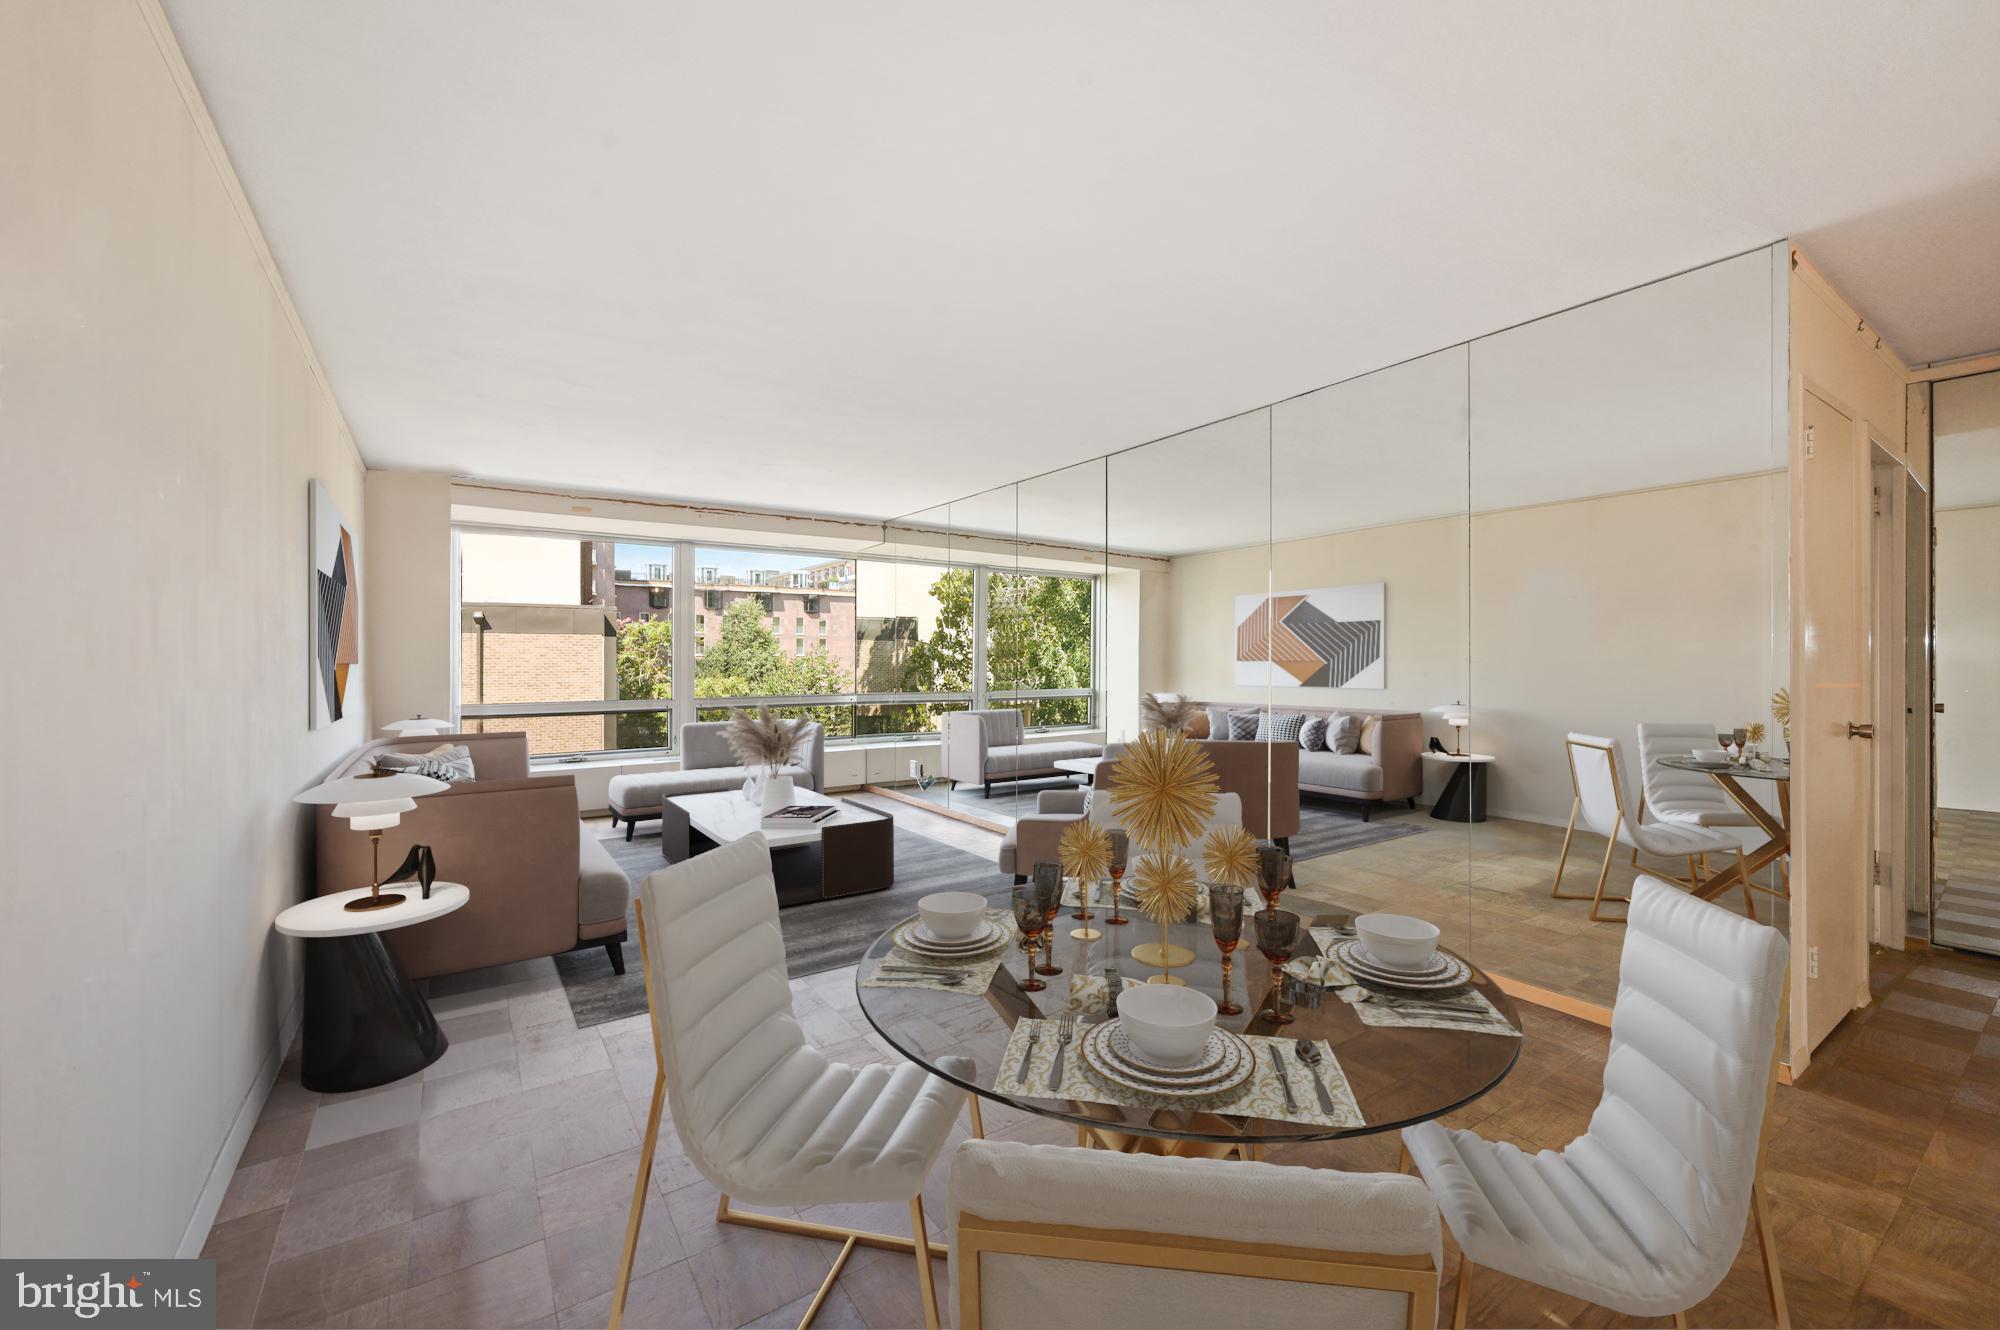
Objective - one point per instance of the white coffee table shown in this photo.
(365, 1022)
(846, 854)
(1085, 767)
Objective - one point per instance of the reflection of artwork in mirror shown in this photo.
(1327, 638)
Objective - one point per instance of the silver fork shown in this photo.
(1065, 1030)
(1027, 1056)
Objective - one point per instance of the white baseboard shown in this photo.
(195, 1236)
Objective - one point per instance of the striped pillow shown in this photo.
(1282, 728)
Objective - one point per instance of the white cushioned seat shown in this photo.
(642, 793)
(1141, 1200)
(1644, 1212)
(1673, 795)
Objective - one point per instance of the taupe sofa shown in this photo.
(981, 747)
(540, 884)
(707, 765)
(1388, 767)
(1266, 783)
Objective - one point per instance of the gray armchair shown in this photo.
(981, 747)
(1036, 835)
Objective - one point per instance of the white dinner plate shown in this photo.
(1212, 1060)
(1365, 968)
(1094, 1051)
(911, 936)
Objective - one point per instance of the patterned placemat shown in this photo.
(1261, 1096)
(978, 974)
(1088, 994)
(1448, 1013)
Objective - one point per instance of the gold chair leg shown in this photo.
(1680, 1321)
(1767, 1245)
(1403, 1161)
(806, 1228)
(826, 1285)
(1569, 833)
(639, 1201)
(1462, 1299)
(978, 1125)
(1743, 871)
(1598, 898)
(921, 1250)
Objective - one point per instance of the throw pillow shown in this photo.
(1371, 735)
(1312, 734)
(1343, 733)
(1218, 723)
(1197, 726)
(1243, 724)
(1281, 728)
(451, 763)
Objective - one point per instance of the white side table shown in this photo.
(1464, 796)
(365, 1023)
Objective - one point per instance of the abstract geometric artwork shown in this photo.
(1328, 638)
(334, 609)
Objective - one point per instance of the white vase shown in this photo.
(778, 792)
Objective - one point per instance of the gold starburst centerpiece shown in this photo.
(1085, 851)
(1164, 790)
(1165, 888)
(1229, 857)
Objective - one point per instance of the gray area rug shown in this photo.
(1327, 827)
(828, 935)
(819, 935)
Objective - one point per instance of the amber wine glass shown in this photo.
(1225, 921)
(1277, 935)
(1048, 899)
(1274, 874)
(1030, 920)
(1121, 849)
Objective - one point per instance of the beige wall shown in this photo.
(1968, 658)
(1590, 615)
(407, 586)
(162, 417)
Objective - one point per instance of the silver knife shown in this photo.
(1027, 1054)
(1278, 1065)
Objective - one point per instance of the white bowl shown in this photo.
(1166, 1023)
(952, 915)
(1710, 755)
(1397, 940)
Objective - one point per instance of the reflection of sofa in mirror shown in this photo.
(540, 884)
(981, 747)
(707, 765)
(1386, 766)
(1268, 810)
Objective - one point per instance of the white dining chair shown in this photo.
(761, 1113)
(1045, 1236)
(1669, 794)
(1644, 1212)
(1600, 807)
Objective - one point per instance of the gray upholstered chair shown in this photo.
(981, 747)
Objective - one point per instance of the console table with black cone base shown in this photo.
(1464, 795)
(365, 1022)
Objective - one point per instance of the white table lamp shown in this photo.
(373, 804)
(1458, 716)
(418, 724)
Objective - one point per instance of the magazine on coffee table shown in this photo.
(793, 815)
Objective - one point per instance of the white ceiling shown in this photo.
(864, 258)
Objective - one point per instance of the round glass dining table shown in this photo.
(1399, 1075)
(1777, 827)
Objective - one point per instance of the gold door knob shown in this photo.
(1860, 731)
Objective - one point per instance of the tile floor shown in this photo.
(492, 1190)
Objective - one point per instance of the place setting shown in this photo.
(953, 943)
(1391, 970)
(1164, 1050)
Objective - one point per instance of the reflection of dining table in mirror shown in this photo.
(1398, 1074)
(1777, 827)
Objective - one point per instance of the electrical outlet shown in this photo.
(1812, 962)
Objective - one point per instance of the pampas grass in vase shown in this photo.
(764, 743)
(1171, 712)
